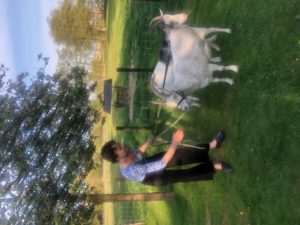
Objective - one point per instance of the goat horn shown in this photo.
(155, 91)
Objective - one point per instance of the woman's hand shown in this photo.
(144, 146)
(177, 137)
(150, 140)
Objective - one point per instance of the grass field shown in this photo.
(260, 112)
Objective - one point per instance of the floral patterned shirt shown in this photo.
(137, 170)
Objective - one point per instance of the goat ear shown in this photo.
(158, 102)
(156, 22)
(196, 104)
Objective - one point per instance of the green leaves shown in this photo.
(72, 25)
(45, 145)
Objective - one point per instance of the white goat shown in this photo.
(184, 64)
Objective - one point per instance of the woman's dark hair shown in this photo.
(108, 151)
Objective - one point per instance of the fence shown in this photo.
(141, 49)
(141, 46)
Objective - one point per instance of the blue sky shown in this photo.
(25, 33)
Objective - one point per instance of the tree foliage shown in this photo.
(72, 24)
(46, 148)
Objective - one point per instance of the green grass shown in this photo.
(260, 112)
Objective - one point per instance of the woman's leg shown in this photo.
(204, 171)
(184, 156)
(188, 155)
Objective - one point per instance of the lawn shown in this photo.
(260, 112)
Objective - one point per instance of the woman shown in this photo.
(153, 170)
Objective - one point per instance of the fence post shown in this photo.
(153, 1)
(139, 223)
(136, 197)
(124, 128)
(142, 70)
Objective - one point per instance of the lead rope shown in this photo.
(180, 144)
(166, 71)
(169, 127)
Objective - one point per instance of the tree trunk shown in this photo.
(156, 196)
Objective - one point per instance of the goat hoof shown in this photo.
(236, 69)
(233, 68)
(228, 31)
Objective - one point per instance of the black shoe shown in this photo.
(226, 167)
(220, 136)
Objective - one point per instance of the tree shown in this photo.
(70, 57)
(46, 148)
(73, 24)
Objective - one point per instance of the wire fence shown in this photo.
(140, 13)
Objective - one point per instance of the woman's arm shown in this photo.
(176, 139)
(144, 146)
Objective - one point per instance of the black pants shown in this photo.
(183, 156)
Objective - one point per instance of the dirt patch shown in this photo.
(131, 92)
(108, 212)
(207, 216)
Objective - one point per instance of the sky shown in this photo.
(25, 33)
